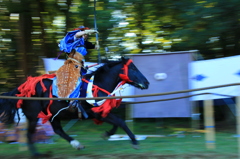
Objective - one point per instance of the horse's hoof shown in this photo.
(136, 147)
(36, 155)
(104, 136)
(76, 144)
(81, 147)
(39, 155)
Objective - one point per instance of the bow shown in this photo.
(95, 26)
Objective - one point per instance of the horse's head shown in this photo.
(113, 72)
(132, 75)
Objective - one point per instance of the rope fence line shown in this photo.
(160, 100)
(208, 108)
(134, 96)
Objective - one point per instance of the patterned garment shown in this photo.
(68, 76)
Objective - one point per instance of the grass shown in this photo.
(185, 146)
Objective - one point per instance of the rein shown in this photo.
(92, 65)
(96, 88)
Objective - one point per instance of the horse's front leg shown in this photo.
(57, 128)
(116, 121)
(112, 131)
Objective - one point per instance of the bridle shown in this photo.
(124, 77)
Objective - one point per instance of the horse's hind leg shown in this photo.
(114, 120)
(30, 132)
(56, 125)
(31, 109)
(32, 124)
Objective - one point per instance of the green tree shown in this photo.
(210, 26)
(31, 29)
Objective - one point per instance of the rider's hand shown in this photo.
(97, 46)
(89, 32)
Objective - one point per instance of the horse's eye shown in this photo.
(134, 68)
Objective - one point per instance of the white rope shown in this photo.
(58, 112)
(73, 60)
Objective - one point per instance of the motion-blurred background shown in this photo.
(31, 29)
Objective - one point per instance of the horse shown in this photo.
(106, 79)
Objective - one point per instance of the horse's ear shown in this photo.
(106, 68)
(124, 58)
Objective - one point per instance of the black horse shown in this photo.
(106, 78)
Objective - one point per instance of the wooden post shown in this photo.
(195, 118)
(238, 122)
(129, 118)
(209, 124)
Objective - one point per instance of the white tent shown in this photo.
(215, 72)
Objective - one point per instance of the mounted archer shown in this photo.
(68, 77)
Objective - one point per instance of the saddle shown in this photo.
(69, 74)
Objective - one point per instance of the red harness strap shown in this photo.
(124, 76)
(95, 88)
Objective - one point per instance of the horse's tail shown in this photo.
(8, 107)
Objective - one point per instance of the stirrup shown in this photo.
(79, 114)
(72, 106)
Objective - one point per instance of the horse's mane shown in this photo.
(105, 67)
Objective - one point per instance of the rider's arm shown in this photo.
(81, 33)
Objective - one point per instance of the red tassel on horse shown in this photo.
(106, 107)
(27, 89)
(44, 117)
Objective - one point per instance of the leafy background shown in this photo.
(31, 29)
